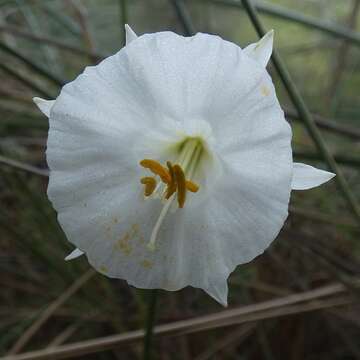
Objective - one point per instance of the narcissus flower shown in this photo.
(171, 161)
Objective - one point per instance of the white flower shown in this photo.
(195, 124)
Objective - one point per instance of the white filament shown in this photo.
(187, 159)
(154, 233)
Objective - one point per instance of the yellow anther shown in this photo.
(181, 185)
(191, 186)
(150, 185)
(171, 188)
(173, 177)
(156, 168)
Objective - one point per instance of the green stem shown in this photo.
(150, 321)
(304, 113)
(331, 125)
(123, 19)
(280, 12)
(184, 17)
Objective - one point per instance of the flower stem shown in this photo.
(150, 320)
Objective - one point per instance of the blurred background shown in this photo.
(304, 283)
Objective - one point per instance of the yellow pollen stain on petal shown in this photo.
(123, 244)
(147, 264)
(156, 168)
(103, 269)
(264, 90)
(181, 185)
(135, 229)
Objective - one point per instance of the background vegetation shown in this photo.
(305, 285)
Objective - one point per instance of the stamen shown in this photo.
(156, 168)
(173, 181)
(150, 185)
(173, 177)
(191, 186)
(172, 185)
(181, 186)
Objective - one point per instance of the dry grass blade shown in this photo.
(30, 332)
(31, 64)
(25, 81)
(292, 304)
(238, 336)
(321, 217)
(63, 336)
(22, 166)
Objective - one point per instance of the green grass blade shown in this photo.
(36, 68)
(279, 12)
(304, 112)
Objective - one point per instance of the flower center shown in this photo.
(174, 179)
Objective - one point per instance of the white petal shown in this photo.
(130, 34)
(161, 62)
(307, 177)
(261, 51)
(241, 219)
(74, 254)
(94, 183)
(44, 105)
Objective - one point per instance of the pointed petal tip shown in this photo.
(224, 303)
(221, 301)
(219, 292)
(262, 50)
(307, 177)
(44, 105)
(270, 35)
(130, 34)
(74, 254)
